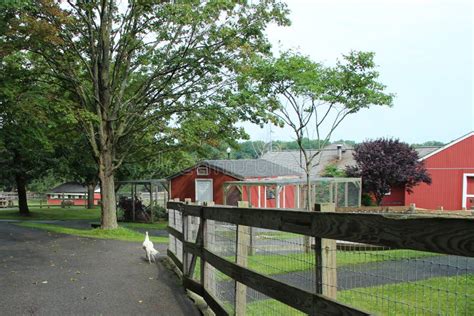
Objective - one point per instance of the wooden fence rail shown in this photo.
(454, 236)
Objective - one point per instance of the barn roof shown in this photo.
(71, 187)
(293, 159)
(244, 168)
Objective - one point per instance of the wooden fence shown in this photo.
(454, 236)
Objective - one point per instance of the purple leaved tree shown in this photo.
(386, 163)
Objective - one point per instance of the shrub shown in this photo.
(65, 204)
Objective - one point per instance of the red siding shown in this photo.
(77, 202)
(183, 186)
(396, 197)
(446, 169)
(445, 190)
(287, 197)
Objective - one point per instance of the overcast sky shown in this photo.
(424, 51)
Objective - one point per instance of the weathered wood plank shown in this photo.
(307, 302)
(192, 248)
(290, 221)
(178, 235)
(201, 291)
(214, 304)
(193, 286)
(175, 260)
(453, 236)
(443, 235)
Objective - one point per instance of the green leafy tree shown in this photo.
(26, 125)
(152, 62)
(314, 99)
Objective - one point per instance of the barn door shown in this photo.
(468, 191)
(204, 190)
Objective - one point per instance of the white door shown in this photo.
(204, 190)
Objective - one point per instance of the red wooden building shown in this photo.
(205, 181)
(452, 172)
(72, 192)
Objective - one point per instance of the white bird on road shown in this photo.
(149, 249)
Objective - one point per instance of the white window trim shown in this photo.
(195, 188)
(464, 188)
(202, 174)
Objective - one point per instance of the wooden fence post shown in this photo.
(208, 272)
(242, 248)
(326, 265)
(184, 223)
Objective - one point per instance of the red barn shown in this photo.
(71, 192)
(452, 172)
(205, 180)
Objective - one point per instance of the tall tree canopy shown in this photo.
(27, 124)
(387, 163)
(145, 65)
(313, 99)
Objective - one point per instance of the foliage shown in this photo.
(430, 143)
(313, 99)
(386, 163)
(366, 200)
(159, 212)
(333, 171)
(29, 112)
(154, 72)
(45, 183)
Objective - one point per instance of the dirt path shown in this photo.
(44, 273)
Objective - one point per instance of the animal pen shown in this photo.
(137, 200)
(292, 192)
(391, 265)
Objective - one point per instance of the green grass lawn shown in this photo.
(436, 296)
(161, 225)
(55, 213)
(121, 233)
(279, 264)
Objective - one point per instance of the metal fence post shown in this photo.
(326, 265)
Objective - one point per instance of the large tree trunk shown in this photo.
(90, 194)
(107, 190)
(22, 197)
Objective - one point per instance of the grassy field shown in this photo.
(436, 296)
(279, 264)
(56, 213)
(121, 233)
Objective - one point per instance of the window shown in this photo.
(270, 191)
(202, 171)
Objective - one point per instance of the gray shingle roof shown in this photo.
(250, 168)
(70, 187)
(329, 155)
(245, 168)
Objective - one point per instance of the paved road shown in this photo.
(44, 273)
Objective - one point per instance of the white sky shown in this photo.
(424, 51)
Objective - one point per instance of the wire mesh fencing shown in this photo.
(367, 277)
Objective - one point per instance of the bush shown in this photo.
(65, 204)
(366, 200)
(159, 212)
